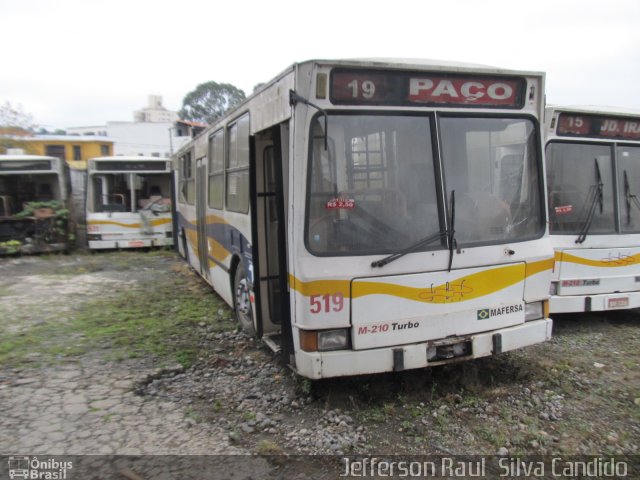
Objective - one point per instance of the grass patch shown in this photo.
(165, 315)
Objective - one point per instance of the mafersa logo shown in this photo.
(486, 313)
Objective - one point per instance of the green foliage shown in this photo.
(52, 229)
(10, 247)
(31, 207)
(209, 101)
(161, 321)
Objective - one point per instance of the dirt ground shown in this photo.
(146, 311)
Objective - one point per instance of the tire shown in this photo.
(242, 301)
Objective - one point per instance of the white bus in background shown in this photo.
(373, 216)
(34, 215)
(593, 180)
(129, 202)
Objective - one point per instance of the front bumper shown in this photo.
(603, 302)
(130, 243)
(351, 362)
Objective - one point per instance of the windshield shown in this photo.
(629, 181)
(573, 173)
(375, 189)
(491, 165)
(128, 192)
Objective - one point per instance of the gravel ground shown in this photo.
(578, 394)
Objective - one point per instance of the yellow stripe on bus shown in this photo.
(612, 261)
(468, 287)
(539, 266)
(154, 223)
(320, 287)
(216, 250)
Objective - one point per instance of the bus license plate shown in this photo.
(619, 302)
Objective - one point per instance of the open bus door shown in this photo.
(268, 192)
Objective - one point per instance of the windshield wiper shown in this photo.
(593, 198)
(426, 241)
(411, 248)
(629, 197)
(452, 232)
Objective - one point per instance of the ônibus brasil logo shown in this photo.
(33, 468)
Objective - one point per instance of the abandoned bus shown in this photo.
(593, 180)
(372, 216)
(129, 202)
(33, 204)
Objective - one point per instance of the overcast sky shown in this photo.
(85, 62)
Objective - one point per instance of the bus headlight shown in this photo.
(333, 340)
(324, 340)
(533, 311)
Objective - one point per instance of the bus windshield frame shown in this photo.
(385, 181)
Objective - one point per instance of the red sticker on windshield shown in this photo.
(564, 209)
(340, 203)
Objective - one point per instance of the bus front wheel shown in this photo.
(242, 296)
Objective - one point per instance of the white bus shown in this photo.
(129, 202)
(373, 216)
(34, 215)
(593, 180)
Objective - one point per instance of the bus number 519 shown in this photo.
(327, 303)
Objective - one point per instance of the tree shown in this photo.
(209, 101)
(15, 117)
(15, 127)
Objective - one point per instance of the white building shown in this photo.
(152, 132)
(151, 139)
(154, 112)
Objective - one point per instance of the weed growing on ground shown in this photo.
(163, 315)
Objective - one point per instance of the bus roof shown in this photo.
(594, 109)
(26, 157)
(376, 63)
(421, 64)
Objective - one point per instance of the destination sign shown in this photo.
(376, 87)
(598, 126)
(120, 166)
(24, 165)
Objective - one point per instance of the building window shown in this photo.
(104, 150)
(368, 155)
(77, 152)
(55, 151)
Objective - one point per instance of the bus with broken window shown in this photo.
(367, 216)
(593, 179)
(128, 202)
(34, 204)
